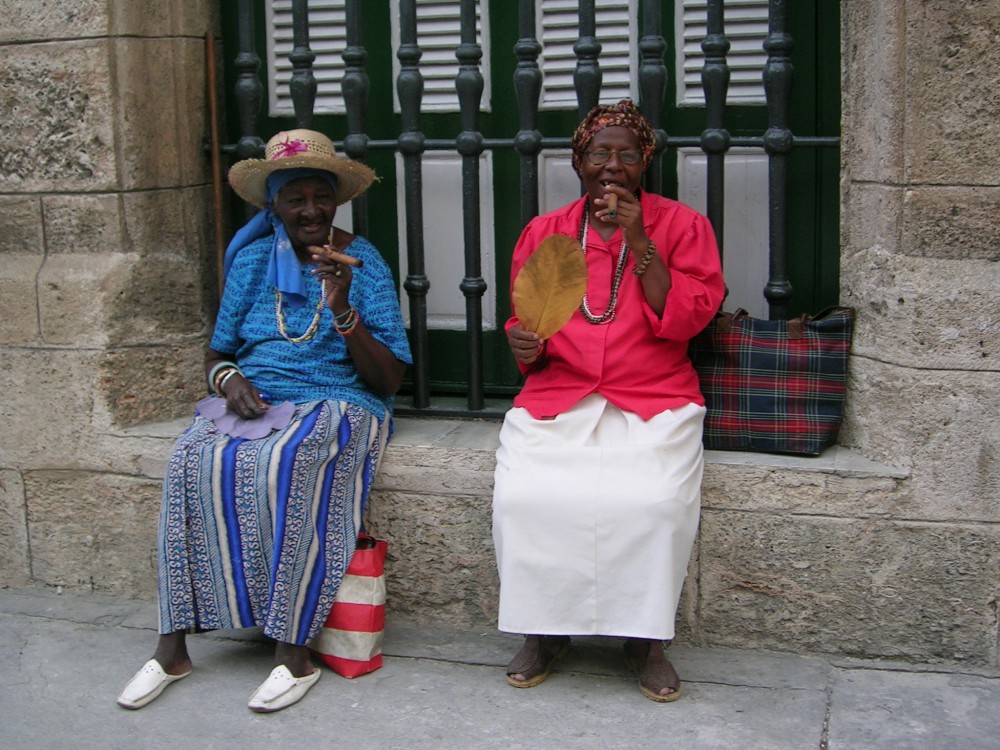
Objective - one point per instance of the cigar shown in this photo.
(613, 206)
(330, 254)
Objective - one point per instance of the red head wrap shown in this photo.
(624, 114)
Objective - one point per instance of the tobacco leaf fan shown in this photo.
(550, 285)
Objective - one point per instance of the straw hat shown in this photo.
(291, 149)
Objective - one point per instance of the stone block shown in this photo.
(47, 407)
(429, 470)
(30, 20)
(952, 101)
(21, 230)
(19, 297)
(83, 223)
(76, 293)
(770, 489)
(146, 112)
(934, 423)
(192, 108)
(175, 227)
(93, 531)
(146, 383)
(15, 559)
(56, 123)
(441, 565)
(159, 299)
(922, 592)
(195, 17)
(874, 61)
(923, 312)
(152, 18)
(952, 223)
(162, 18)
(872, 217)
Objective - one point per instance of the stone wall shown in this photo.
(887, 547)
(921, 246)
(106, 247)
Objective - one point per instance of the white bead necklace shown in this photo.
(279, 316)
(609, 314)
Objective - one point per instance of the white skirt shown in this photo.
(594, 516)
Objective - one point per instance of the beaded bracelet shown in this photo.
(647, 258)
(346, 328)
(213, 373)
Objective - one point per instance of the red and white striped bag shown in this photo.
(350, 642)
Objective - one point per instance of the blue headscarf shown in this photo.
(283, 270)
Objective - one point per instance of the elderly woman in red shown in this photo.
(598, 478)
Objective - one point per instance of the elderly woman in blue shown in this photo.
(264, 491)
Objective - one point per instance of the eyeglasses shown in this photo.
(603, 156)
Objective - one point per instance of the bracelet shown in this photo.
(346, 328)
(219, 376)
(344, 314)
(222, 383)
(220, 365)
(647, 258)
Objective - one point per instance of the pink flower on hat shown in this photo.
(290, 147)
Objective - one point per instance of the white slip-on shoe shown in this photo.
(280, 690)
(147, 684)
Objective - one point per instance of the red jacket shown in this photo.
(638, 361)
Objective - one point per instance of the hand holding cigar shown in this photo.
(326, 251)
(613, 206)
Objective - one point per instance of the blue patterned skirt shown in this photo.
(258, 533)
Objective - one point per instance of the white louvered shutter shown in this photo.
(438, 35)
(746, 29)
(558, 28)
(327, 39)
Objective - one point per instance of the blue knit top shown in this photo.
(320, 368)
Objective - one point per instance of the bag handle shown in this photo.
(795, 326)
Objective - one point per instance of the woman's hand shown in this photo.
(627, 214)
(375, 362)
(527, 346)
(335, 269)
(242, 398)
(656, 281)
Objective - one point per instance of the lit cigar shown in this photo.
(613, 206)
(330, 254)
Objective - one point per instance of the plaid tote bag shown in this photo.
(774, 386)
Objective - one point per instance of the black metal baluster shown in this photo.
(778, 143)
(410, 87)
(469, 87)
(587, 75)
(302, 86)
(652, 86)
(247, 89)
(355, 88)
(715, 138)
(528, 88)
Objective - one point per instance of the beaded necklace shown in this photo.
(609, 314)
(279, 316)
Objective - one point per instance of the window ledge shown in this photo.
(483, 435)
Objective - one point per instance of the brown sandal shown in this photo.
(653, 678)
(534, 660)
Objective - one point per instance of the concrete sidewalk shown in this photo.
(65, 657)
